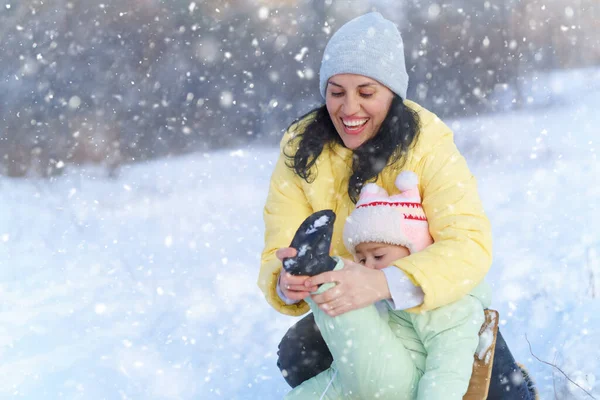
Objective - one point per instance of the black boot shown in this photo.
(312, 241)
(507, 380)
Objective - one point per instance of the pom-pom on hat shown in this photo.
(397, 219)
(368, 45)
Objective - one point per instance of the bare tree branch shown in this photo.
(560, 370)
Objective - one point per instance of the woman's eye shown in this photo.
(337, 94)
(366, 95)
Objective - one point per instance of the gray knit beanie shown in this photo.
(368, 45)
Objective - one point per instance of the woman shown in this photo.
(368, 132)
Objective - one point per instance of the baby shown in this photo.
(381, 352)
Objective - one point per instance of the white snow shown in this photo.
(303, 249)
(321, 221)
(226, 99)
(150, 292)
(486, 338)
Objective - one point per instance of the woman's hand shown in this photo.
(356, 287)
(292, 286)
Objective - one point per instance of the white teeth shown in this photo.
(356, 122)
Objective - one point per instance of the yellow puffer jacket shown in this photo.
(446, 271)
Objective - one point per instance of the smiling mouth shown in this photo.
(355, 124)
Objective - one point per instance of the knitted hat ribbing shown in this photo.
(368, 45)
(397, 219)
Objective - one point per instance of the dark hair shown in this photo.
(397, 133)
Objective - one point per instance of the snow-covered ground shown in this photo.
(144, 287)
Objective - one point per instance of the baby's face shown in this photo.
(379, 255)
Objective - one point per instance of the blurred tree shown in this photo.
(119, 81)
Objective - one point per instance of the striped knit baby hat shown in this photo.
(397, 219)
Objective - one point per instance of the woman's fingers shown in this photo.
(334, 311)
(294, 291)
(293, 280)
(337, 306)
(333, 304)
(328, 296)
(285, 252)
(296, 295)
(342, 309)
(333, 301)
(293, 287)
(324, 277)
(332, 276)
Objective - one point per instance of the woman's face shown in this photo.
(357, 106)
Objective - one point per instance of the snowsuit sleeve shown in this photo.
(461, 254)
(285, 209)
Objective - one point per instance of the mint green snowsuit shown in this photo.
(398, 355)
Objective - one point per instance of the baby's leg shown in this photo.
(325, 386)
(450, 335)
(371, 362)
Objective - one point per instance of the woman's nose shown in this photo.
(351, 105)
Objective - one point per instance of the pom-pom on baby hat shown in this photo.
(397, 219)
